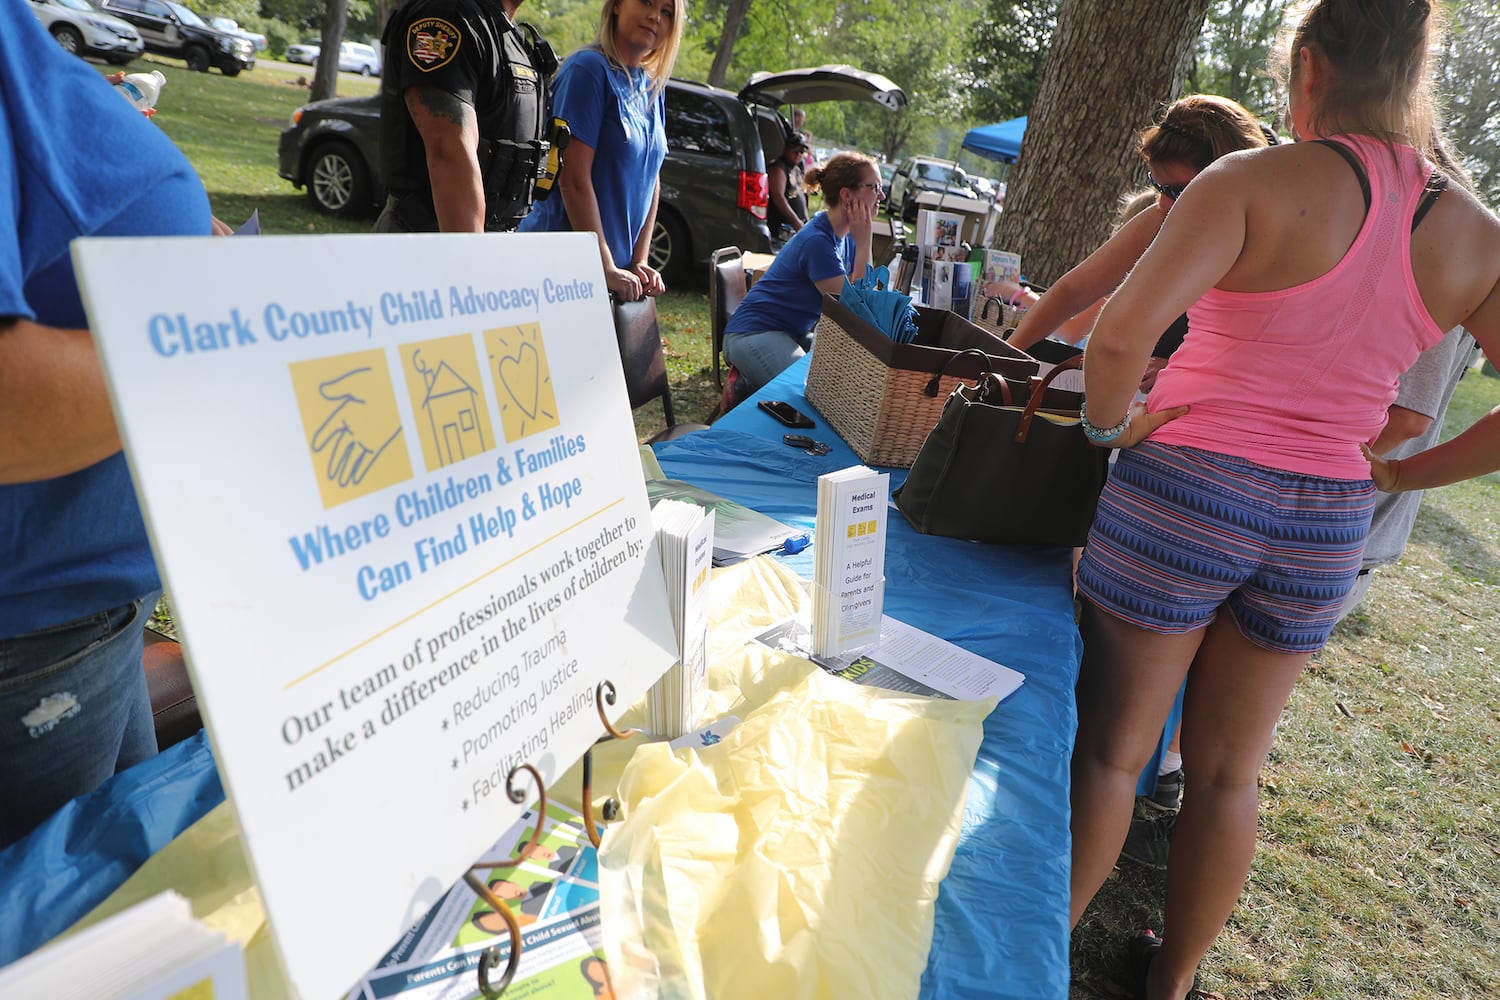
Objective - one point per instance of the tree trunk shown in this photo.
(734, 16)
(1113, 66)
(326, 79)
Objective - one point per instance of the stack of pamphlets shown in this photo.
(155, 950)
(553, 894)
(685, 540)
(993, 266)
(944, 272)
(739, 532)
(849, 564)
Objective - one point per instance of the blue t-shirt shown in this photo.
(75, 159)
(786, 297)
(615, 112)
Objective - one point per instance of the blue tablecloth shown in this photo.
(1002, 913)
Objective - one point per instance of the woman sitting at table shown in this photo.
(774, 325)
(610, 93)
(1195, 131)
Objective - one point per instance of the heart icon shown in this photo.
(521, 376)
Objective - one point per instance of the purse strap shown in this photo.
(931, 388)
(1039, 385)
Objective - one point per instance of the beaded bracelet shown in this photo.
(1102, 435)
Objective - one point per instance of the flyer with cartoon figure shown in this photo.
(554, 895)
(392, 484)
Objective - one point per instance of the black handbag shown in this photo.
(1007, 463)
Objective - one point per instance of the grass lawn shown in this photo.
(1380, 851)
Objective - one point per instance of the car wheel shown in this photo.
(364, 70)
(197, 59)
(338, 181)
(231, 70)
(69, 38)
(671, 248)
(908, 209)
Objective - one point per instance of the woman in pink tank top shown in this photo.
(1232, 523)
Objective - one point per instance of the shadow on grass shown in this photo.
(1130, 899)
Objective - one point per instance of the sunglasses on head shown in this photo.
(1172, 191)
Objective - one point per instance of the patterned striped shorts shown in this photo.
(1180, 532)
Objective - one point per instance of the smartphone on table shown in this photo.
(786, 413)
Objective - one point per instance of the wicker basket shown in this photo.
(994, 315)
(883, 397)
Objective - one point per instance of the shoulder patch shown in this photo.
(431, 43)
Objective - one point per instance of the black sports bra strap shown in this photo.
(1436, 185)
(1354, 164)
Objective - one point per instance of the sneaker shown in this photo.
(1150, 840)
(1168, 795)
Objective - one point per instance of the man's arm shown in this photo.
(450, 135)
(55, 416)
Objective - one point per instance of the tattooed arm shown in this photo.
(450, 135)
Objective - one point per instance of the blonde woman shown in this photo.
(610, 93)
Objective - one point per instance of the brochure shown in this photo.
(849, 565)
(739, 532)
(155, 950)
(906, 659)
(685, 541)
(554, 895)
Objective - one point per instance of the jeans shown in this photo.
(762, 355)
(74, 710)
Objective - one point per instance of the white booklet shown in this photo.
(906, 659)
(155, 950)
(849, 564)
(685, 541)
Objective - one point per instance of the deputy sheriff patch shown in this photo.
(431, 43)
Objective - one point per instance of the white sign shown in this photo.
(393, 486)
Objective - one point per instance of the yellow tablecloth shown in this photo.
(799, 858)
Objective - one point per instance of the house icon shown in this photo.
(451, 406)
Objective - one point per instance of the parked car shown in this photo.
(174, 30)
(713, 182)
(714, 189)
(926, 173)
(85, 30)
(232, 26)
(354, 57)
(332, 149)
(304, 52)
(887, 171)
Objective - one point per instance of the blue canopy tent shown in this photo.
(1001, 141)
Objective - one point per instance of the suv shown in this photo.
(714, 190)
(713, 182)
(354, 57)
(926, 173)
(84, 30)
(174, 30)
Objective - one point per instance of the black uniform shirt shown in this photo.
(460, 47)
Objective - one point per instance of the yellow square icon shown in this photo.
(447, 399)
(353, 430)
(523, 380)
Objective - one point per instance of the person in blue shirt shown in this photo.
(775, 324)
(77, 579)
(611, 95)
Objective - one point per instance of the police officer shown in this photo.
(463, 116)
